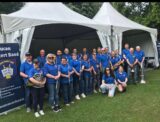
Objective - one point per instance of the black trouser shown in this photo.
(38, 96)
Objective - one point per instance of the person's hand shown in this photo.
(56, 77)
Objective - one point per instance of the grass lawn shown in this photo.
(141, 103)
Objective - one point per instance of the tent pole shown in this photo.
(111, 36)
(2, 30)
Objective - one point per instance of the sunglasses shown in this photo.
(51, 57)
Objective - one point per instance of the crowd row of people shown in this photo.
(75, 75)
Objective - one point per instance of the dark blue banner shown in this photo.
(11, 86)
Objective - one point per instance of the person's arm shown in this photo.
(23, 75)
(59, 74)
(75, 71)
(50, 76)
(126, 80)
(63, 75)
(129, 63)
(135, 61)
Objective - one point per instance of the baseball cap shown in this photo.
(28, 54)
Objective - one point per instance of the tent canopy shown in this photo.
(119, 22)
(40, 13)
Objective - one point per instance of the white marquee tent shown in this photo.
(124, 30)
(51, 25)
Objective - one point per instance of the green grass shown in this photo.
(141, 103)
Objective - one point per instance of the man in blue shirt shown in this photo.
(52, 74)
(132, 65)
(42, 58)
(104, 60)
(67, 55)
(58, 57)
(125, 52)
(24, 72)
(140, 56)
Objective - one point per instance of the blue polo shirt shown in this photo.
(98, 56)
(86, 65)
(125, 52)
(42, 61)
(119, 57)
(76, 64)
(121, 76)
(58, 59)
(139, 55)
(131, 58)
(51, 69)
(25, 68)
(95, 64)
(67, 56)
(105, 60)
(65, 69)
(108, 79)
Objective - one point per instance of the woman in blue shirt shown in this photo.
(52, 74)
(66, 81)
(108, 83)
(122, 79)
(36, 77)
(86, 68)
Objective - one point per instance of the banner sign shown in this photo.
(11, 86)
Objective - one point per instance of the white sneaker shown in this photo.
(83, 95)
(28, 110)
(72, 102)
(41, 112)
(36, 114)
(67, 104)
(99, 90)
(95, 91)
(143, 82)
(77, 97)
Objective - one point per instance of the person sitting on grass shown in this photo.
(121, 77)
(36, 77)
(108, 83)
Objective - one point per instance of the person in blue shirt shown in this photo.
(58, 57)
(36, 77)
(67, 55)
(141, 57)
(122, 79)
(95, 72)
(107, 51)
(120, 57)
(98, 54)
(42, 58)
(132, 66)
(77, 77)
(85, 51)
(24, 72)
(108, 83)
(105, 60)
(93, 51)
(79, 55)
(125, 52)
(66, 81)
(86, 68)
(52, 74)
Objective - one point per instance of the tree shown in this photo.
(9, 7)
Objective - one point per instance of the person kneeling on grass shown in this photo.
(122, 79)
(108, 83)
(36, 77)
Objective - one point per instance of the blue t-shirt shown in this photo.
(95, 64)
(119, 57)
(42, 61)
(65, 69)
(98, 56)
(108, 79)
(51, 69)
(131, 58)
(105, 60)
(121, 76)
(76, 64)
(25, 68)
(67, 56)
(86, 65)
(125, 52)
(58, 59)
(139, 55)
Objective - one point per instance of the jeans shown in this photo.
(28, 98)
(108, 87)
(53, 90)
(95, 81)
(141, 69)
(76, 84)
(67, 92)
(135, 76)
(87, 85)
(38, 96)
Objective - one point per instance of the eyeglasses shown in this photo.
(51, 57)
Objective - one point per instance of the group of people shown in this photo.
(75, 75)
